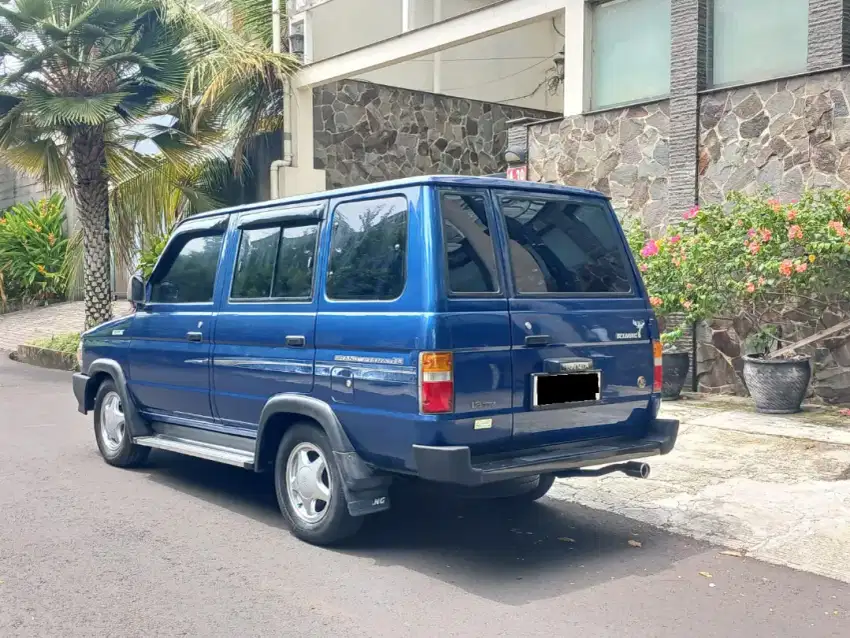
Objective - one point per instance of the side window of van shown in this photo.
(275, 263)
(190, 278)
(368, 250)
(468, 243)
(564, 246)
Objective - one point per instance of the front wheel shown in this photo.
(309, 488)
(113, 437)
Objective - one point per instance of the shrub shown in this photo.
(753, 258)
(66, 343)
(33, 251)
(149, 256)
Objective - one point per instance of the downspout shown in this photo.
(274, 176)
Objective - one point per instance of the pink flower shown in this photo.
(751, 287)
(761, 281)
(643, 267)
(795, 232)
(740, 222)
(786, 268)
(689, 286)
(691, 213)
(688, 305)
(801, 267)
(656, 301)
(755, 247)
(765, 235)
(774, 204)
(650, 249)
(751, 232)
(675, 239)
(838, 227)
(791, 215)
(844, 412)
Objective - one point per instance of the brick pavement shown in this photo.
(17, 328)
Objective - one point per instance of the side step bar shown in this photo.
(208, 451)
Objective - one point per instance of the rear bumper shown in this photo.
(80, 381)
(453, 464)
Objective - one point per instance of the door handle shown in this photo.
(537, 340)
(294, 341)
(195, 336)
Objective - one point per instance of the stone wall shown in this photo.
(784, 135)
(368, 132)
(623, 153)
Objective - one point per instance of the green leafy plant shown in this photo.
(752, 258)
(66, 342)
(149, 256)
(34, 251)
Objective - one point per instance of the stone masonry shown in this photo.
(783, 135)
(367, 132)
(623, 153)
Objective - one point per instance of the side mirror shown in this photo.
(137, 290)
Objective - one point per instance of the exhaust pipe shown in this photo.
(634, 469)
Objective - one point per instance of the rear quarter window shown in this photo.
(564, 246)
(368, 250)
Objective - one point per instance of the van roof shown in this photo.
(442, 180)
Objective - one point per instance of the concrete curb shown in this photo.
(45, 358)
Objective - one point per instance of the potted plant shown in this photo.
(677, 285)
(781, 267)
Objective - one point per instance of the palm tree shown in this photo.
(83, 78)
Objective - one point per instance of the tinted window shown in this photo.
(255, 264)
(275, 263)
(368, 249)
(191, 276)
(564, 246)
(470, 256)
(295, 260)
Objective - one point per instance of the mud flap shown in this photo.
(365, 492)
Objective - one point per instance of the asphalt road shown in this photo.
(190, 548)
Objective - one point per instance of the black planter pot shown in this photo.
(675, 366)
(777, 386)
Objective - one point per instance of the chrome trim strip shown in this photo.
(293, 366)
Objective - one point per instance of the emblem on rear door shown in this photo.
(641, 382)
(633, 335)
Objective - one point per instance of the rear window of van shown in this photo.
(563, 246)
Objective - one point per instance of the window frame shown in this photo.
(330, 224)
(300, 223)
(634, 289)
(493, 227)
(208, 227)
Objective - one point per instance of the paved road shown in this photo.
(189, 548)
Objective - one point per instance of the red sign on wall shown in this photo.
(518, 173)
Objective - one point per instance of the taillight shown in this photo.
(658, 370)
(436, 383)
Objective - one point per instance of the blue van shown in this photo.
(477, 332)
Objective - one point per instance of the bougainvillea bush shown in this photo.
(754, 258)
(34, 251)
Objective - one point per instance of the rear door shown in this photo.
(576, 313)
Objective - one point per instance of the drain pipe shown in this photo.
(286, 138)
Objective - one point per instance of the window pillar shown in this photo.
(829, 34)
(688, 53)
(577, 53)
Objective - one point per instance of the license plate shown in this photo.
(562, 389)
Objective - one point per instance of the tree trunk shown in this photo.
(91, 193)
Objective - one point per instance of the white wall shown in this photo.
(502, 68)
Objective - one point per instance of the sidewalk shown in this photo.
(774, 488)
(17, 328)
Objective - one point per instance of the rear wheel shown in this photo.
(111, 432)
(536, 491)
(309, 488)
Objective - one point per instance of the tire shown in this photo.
(540, 487)
(110, 429)
(309, 487)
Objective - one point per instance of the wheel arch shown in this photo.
(99, 371)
